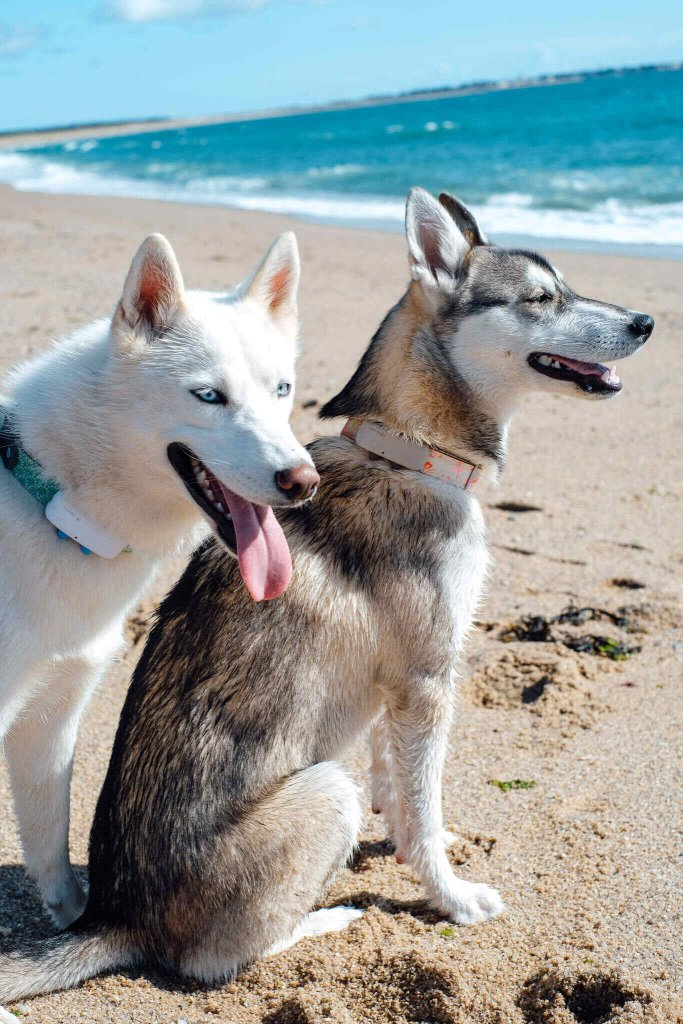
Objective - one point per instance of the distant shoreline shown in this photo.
(26, 138)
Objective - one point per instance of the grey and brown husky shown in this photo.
(224, 813)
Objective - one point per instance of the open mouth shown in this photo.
(590, 377)
(251, 531)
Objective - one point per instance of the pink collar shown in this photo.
(379, 440)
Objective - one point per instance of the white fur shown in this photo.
(98, 411)
(540, 279)
(491, 350)
(319, 922)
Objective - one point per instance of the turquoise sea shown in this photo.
(596, 163)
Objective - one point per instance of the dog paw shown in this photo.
(318, 922)
(67, 909)
(447, 838)
(334, 919)
(471, 903)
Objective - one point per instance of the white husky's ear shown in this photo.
(154, 286)
(274, 285)
(436, 246)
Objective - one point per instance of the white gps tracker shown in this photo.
(84, 531)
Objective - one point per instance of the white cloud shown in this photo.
(165, 10)
(16, 40)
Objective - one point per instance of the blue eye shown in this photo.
(210, 395)
(283, 389)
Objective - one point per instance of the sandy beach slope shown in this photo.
(588, 514)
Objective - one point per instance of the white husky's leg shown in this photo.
(418, 726)
(40, 748)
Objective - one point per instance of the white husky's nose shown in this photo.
(298, 483)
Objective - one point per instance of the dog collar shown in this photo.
(22, 466)
(397, 448)
(68, 522)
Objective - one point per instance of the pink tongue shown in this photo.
(606, 375)
(262, 549)
(589, 369)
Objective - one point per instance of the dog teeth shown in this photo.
(610, 376)
(202, 479)
(555, 364)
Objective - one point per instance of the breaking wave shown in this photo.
(611, 221)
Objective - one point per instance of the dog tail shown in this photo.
(63, 961)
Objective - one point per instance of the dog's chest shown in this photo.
(462, 571)
(57, 601)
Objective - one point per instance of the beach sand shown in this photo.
(588, 513)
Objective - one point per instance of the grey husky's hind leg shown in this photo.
(284, 854)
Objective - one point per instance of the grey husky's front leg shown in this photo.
(40, 750)
(418, 721)
(383, 785)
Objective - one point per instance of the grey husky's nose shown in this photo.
(298, 483)
(641, 325)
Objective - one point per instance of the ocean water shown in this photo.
(599, 161)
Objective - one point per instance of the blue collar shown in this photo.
(28, 472)
(25, 470)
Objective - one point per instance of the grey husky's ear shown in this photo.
(154, 286)
(436, 246)
(275, 283)
(464, 220)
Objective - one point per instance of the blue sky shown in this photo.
(83, 60)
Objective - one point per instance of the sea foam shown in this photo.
(611, 221)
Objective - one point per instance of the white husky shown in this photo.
(136, 420)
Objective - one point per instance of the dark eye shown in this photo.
(210, 395)
(544, 297)
(283, 389)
